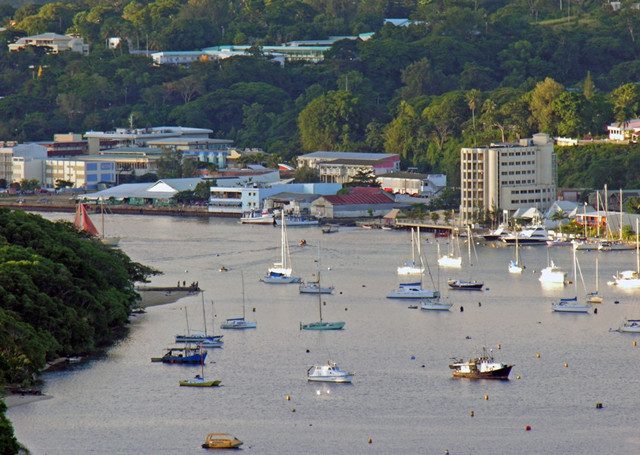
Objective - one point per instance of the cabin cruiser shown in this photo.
(412, 291)
(328, 373)
(532, 236)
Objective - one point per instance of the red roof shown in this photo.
(358, 197)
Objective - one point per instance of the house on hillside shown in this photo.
(624, 131)
(54, 42)
(361, 202)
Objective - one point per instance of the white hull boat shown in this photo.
(412, 291)
(312, 287)
(630, 326)
(328, 373)
(411, 268)
(282, 272)
(435, 305)
(553, 275)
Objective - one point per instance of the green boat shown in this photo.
(321, 325)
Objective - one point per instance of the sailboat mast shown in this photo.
(575, 276)
(283, 239)
(242, 275)
(620, 215)
(204, 316)
(637, 250)
(319, 297)
(186, 316)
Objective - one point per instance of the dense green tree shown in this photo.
(541, 101)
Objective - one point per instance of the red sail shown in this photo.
(83, 222)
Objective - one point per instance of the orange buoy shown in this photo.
(471, 413)
(528, 428)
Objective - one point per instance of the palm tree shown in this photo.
(559, 216)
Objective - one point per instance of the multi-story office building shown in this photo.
(508, 176)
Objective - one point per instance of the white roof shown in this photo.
(162, 189)
(348, 155)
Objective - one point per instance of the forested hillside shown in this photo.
(463, 73)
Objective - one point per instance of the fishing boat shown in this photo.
(209, 341)
(239, 323)
(83, 222)
(199, 380)
(571, 305)
(221, 441)
(258, 217)
(411, 268)
(179, 355)
(281, 272)
(412, 291)
(481, 367)
(321, 324)
(328, 373)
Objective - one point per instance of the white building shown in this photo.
(508, 176)
(20, 154)
(412, 183)
(57, 43)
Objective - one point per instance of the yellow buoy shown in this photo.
(486, 397)
(370, 441)
(634, 343)
(566, 365)
(471, 413)
(288, 398)
(538, 355)
(518, 377)
(293, 409)
(499, 346)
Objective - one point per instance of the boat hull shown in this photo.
(238, 323)
(322, 326)
(502, 373)
(281, 279)
(199, 383)
(465, 285)
(314, 289)
(335, 379)
(435, 306)
(221, 441)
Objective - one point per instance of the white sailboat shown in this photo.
(239, 323)
(515, 266)
(321, 324)
(412, 268)
(469, 285)
(313, 287)
(629, 279)
(209, 341)
(594, 297)
(571, 305)
(453, 258)
(281, 272)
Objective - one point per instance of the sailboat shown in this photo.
(594, 297)
(239, 323)
(210, 341)
(452, 258)
(111, 241)
(467, 284)
(629, 279)
(281, 272)
(515, 266)
(321, 325)
(83, 222)
(411, 268)
(571, 305)
(199, 380)
(313, 287)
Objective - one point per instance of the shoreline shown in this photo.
(18, 399)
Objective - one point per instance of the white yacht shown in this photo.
(532, 236)
(330, 372)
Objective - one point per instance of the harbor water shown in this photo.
(403, 398)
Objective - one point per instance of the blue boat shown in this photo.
(182, 355)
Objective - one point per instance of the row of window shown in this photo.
(517, 163)
(505, 154)
(530, 171)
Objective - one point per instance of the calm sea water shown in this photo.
(402, 400)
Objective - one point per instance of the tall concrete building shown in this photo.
(508, 176)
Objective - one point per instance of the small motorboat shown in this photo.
(328, 373)
(182, 355)
(468, 285)
(221, 441)
(313, 287)
(482, 367)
